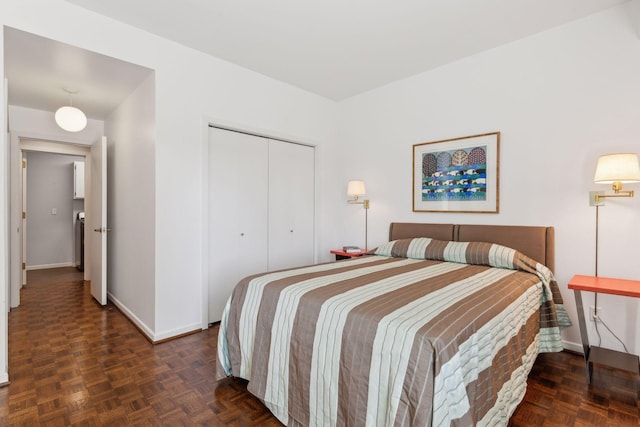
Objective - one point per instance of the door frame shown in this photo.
(31, 141)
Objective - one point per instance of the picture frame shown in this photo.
(457, 174)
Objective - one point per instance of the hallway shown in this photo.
(72, 362)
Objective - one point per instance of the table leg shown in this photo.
(583, 333)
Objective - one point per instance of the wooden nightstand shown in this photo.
(340, 254)
(594, 354)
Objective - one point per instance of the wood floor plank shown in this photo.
(73, 362)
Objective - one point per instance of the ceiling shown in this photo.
(334, 48)
(339, 48)
(40, 69)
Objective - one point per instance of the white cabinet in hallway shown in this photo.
(78, 180)
(261, 209)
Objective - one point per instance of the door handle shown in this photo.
(101, 230)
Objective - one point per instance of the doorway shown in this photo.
(56, 153)
(51, 226)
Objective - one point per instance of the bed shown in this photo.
(440, 326)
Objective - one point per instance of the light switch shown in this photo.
(54, 211)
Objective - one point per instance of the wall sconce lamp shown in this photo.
(614, 169)
(70, 118)
(356, 189)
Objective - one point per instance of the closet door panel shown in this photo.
(291, 205)
(238, 203)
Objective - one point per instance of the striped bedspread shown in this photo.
(422, 333)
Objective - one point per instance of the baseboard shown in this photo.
(154, 338)
(4, 379)
(177, 333)
(139, 324)
(572, 346)
(46, 266)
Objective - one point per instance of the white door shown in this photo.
(238, 196)
(291, 205)
(97, 218)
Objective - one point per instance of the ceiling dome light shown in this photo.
(71, 118)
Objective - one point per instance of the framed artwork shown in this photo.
(457, 175)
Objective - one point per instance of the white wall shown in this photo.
(191, 89)
(51, 237)
(212, 90)
(131, 136)
(560, 99)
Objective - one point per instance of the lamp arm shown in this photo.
(620, 193)
(356, 202)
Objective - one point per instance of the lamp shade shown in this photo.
(71, 118)
(621, 167)
(356, 188)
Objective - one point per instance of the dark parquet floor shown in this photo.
(72, 362)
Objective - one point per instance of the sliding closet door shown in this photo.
(291, 205)
(238, 203)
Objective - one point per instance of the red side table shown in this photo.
(340, 254)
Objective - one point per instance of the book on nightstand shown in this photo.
(351, 249)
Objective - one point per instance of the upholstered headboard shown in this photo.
(533, 241)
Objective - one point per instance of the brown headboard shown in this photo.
(535, 242)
